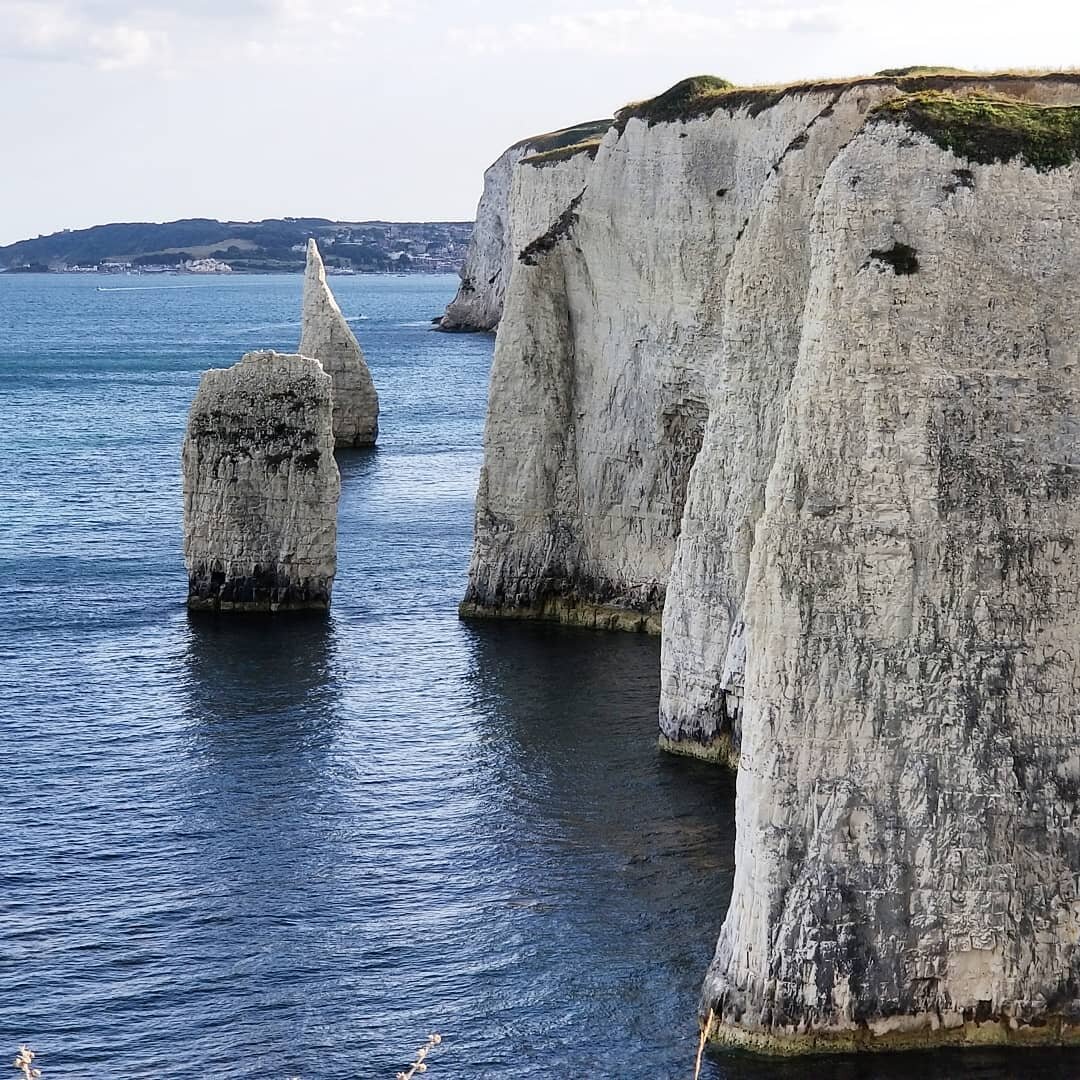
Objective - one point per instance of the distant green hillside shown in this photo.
(274, 244)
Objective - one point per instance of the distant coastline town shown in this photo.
(207, 246)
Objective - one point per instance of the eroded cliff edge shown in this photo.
(498, 233)
(813, 351)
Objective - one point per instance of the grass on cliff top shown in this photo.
(921, 69)
(566, 137)
(564, 153)
(705, 94)
(986, 129)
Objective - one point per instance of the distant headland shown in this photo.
(275, 245)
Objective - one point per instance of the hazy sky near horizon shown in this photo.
(149, 110)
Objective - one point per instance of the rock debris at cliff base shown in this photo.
(261, 487)
(800, 374)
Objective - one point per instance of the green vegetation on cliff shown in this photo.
(691, 97)
(564, 153)
(703, 95)
(566, 137)
(987, 129)
(920, 69)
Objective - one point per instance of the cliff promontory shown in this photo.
(498, 233)
(261, 487)
(794, 371)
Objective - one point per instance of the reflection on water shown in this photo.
(622, 854)
(248, 674)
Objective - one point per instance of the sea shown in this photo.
(291, 847)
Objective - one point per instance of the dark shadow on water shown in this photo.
(974, 1064)
(263, 819)
(635, 848)
(629, 848)
(268, 678)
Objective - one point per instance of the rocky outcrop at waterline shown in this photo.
(261, 487)
(795, 371)
(327, 336)
(498, 233)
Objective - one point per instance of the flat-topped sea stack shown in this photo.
(261, 487)
(327, 336)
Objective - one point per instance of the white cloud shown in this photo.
(648, 27)
(56, 31)
(112, 35)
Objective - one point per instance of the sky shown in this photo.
(150, 110)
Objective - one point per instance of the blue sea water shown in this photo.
(291, 847)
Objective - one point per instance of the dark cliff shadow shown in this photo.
(570, 718)
(973, 1064)
(626, 852)
(259, 834)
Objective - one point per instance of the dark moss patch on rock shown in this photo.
(532, 251)
(901, 257)
(986, 129)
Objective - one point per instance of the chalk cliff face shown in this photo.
(604, 362)
(326, 336)
(479, 299)
(793, 372)
(499, 234)
(909, 788)
(261, 487)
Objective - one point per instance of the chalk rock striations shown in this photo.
(261, 487)
(814, 351)
(908, 852)
(499, 234)
(326, 336)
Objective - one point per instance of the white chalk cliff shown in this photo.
(326, 336)
(261, 487)
(498, 233)
(795, 372)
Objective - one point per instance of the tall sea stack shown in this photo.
(326, 336)
(261, 487)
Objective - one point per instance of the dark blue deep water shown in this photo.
(291, 847)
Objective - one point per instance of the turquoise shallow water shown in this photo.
(292, 847)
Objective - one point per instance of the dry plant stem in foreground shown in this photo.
(24, 1062)
(701, 1043)
(418, 1066)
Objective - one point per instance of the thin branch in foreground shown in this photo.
(419, 1066)
(24, 1063)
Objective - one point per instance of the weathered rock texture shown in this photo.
(497, 234)
(873, 581)
(261, 487)
(326, 336)
(909, 790)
